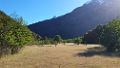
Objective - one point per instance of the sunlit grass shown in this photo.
(55, 57)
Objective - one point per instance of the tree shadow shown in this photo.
(101, 51)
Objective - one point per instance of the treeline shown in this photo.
(41, 41)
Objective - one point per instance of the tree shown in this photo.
(46, 40)
(37, 39)
(13, 35)
(110, 36)
(64, 42)
(77, 40)
(57, 39)
(93, 36)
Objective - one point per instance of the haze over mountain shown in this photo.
(80, 20)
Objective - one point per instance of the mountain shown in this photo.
(80, 20)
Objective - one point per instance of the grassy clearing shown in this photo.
(59, 57)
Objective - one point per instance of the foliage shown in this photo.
(110, 36)
(45, 41)
(107, 35)
(13, 35)
(57, 39)
(69, 41)
(93, 36)
(77, 40)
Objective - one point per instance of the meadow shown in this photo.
(62, 56)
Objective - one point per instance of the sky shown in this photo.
(37, 10)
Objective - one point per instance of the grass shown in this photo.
(62, 56)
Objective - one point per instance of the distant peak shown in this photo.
(97, 1)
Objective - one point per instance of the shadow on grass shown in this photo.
(90, 52)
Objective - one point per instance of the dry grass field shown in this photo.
(67, 56)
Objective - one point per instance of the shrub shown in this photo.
(13, 35)
(93, 36)
(57, 39)
(77, 40)
(110, 36)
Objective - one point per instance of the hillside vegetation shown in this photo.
(13, 34)
(108, 35)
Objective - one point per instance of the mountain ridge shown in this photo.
(79, 21)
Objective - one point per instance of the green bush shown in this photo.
(57, 39)
(13, 35)
(110, 36)
(77, 40)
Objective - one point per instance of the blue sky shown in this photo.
(38, 10)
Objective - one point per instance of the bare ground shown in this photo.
(62, 56)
